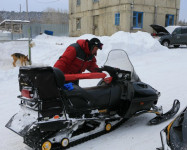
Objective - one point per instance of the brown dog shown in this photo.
(21, 57)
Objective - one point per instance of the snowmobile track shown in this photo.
(38, 140)
(80, 141)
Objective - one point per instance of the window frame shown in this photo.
(117, 19)
(136, 16)
(168, 20)
(95, 1)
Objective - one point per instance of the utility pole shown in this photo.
(29, 31)
(27, 10)
(20, 8)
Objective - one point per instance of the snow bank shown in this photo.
(134, 43)
(48, 48)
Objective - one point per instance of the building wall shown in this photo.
(106, 9)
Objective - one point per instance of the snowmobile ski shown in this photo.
(163, 117)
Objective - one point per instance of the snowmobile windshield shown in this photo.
(118, 58)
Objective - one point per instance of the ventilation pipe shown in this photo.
(131, 17)
(155, 15)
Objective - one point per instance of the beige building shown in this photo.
(105, 17)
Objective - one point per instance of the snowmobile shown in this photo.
(55, 113)
(174, 136)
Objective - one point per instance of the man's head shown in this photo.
(94, 45)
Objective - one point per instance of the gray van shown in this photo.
(176, 38)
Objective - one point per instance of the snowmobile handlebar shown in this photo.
(114, 72)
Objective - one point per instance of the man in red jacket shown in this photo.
(79, 56)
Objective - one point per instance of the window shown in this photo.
(169, 20)
(177, 31)
(184, 30)
(95, 1)
(78, 2)
(78, 23)
(137, 19)
(117, 19)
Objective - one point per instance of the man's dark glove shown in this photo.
(98, 69)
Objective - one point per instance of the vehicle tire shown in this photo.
(176, 46)
(165, 43)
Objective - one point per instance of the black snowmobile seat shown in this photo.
(100, 95)
(92, 97)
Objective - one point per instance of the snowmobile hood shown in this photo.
(159, 29)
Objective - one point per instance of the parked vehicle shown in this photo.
(54, 115)
(176, 38)
(174, 136)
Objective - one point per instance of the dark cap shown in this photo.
(96, 42)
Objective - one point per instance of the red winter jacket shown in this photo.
(76, 59)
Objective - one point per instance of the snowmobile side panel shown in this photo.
(115, 95)
(53, 126)
(141, 104)
(143, 90)
(143, 97)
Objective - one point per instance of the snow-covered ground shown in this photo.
(164, 69)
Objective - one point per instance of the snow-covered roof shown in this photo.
(14, 21)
